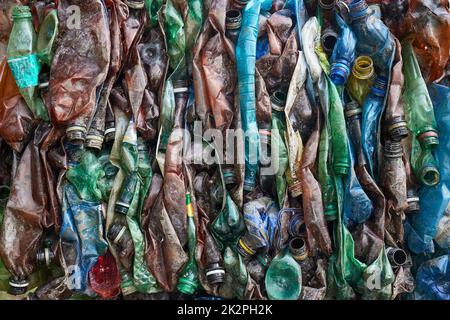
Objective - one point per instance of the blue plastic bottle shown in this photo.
(343, 53)
(372, 111)
(372, 35)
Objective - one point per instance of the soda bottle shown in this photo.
(23, 60)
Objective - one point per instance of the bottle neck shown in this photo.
(358, 11)
(363, 68)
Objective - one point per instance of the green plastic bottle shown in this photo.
(188, 281)
(421, 121)
(419, 108)
(283, 278)
(23, 60)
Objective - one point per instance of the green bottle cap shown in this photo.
(186, 286)
(21, 12)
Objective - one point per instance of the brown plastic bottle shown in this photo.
(33, 205)
(77, 71)
(16, 119)
(215, 85)
(316, 227)
(164, 254)
(394, 118)
(430, 21)
(96, 133)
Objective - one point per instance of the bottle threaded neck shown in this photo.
(278, 100)
(233, 19)
(379, 86)
(21, 12)
(358, 9)
(363, 68)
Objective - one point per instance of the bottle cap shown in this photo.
(278, 100)
(340, 70)
(358, 9)
(233, 19)
(215, 273)
(45, 256)
(186, 286)
(110, 131)
(121, 207)
(18, 287)
(20, 12)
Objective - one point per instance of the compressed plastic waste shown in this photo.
(224, 149)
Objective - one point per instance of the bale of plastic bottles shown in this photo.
(225, 149)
